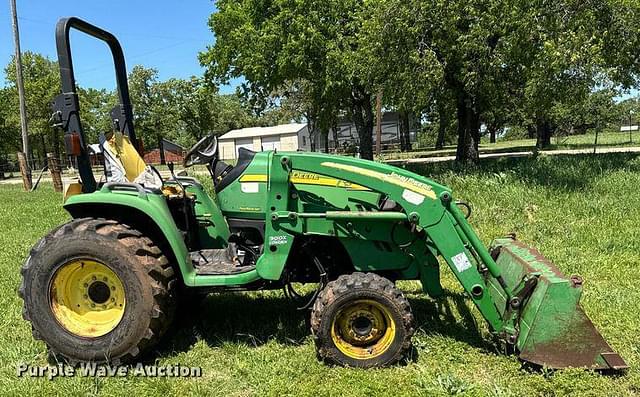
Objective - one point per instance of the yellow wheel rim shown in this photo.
(363, 330)
(87, 298)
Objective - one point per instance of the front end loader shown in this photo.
(105, 286)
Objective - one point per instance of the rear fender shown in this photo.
(146, 212)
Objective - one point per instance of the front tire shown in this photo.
(95, 290)
(362, 320)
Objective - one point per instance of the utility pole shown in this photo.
(24, 158)
(379, 122)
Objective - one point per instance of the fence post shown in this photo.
(25, 171)
(54, 170)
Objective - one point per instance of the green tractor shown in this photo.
(104, 287)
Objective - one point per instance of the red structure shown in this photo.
(153, 157)
(172, 153)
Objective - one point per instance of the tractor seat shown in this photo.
(224, 174)
(123, 163)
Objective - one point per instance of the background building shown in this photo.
(285, 137)
(294, 137)
(347, 135)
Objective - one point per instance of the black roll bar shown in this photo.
(66, 105)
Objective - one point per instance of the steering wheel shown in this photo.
(202, 152)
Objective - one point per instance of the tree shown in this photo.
(157, 107)
(274, 44)
(202, 111)
(148, 112)
(440, 49)
(95, 111)
(388, 61)
(628, 111)
(530, 53)
(184, 111)
(299, 100)
(576, 47)
(41, 84)
(595, 111)
(9, 131)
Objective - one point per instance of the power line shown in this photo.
(136, 56)
(144, 36)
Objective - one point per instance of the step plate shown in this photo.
(216, 262)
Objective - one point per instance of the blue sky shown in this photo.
(166, 35)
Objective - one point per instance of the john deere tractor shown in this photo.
(104, 286)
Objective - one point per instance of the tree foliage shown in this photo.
(179, 110)
(545, 67)
(41, 84)
(310, 48)
(499, 57)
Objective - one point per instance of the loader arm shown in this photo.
(535, 311)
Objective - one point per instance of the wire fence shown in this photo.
(9, 167)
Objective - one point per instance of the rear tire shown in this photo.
(362, 320)
(72, 323)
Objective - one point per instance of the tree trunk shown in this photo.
(405, 138)
(311, 126)
(544, 132)
(55, 142)
(334, 130)
(492, 133)
(363, 118)
(468, 132)
(43, 154)
(475, 131)
(161, 149)
(531, 131)
(325, 135)
(443, 123)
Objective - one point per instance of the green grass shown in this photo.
(581, 211)
(605, 140)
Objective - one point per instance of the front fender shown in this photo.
(145, 211)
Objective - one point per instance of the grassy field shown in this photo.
(581, 211)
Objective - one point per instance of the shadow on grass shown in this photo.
(449, 316)
(239, 318)
(253, 321)
(563, 172)
(587, 145)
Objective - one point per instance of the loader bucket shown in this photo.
(554, 330)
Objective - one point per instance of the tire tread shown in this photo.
(161, 277)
